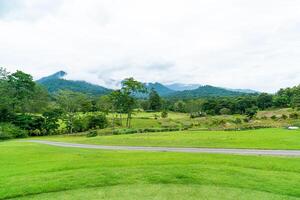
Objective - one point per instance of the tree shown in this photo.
(21, 87)
(154, 101)
(251, 112)
(71, 102)
(124, 99)
(179, 106)
(264, 101)
(3, 74)
(296, 101)
(104, 104)
(39, 100)
(51, 120)
(5, 97)
(281, 101)
(194, 106)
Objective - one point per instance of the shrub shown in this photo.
(98, 121)
(9, 131)
(284, 116)
(80, 124)
(246, 119)
(273, 117)
(294, 116)
(237, 121)
(35, 132)
(164, 114)
(251, 112)
(225, 111)
(29, 122)
(197, 114)
(92, 133)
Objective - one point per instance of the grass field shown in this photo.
(34, 171)
(273, 138)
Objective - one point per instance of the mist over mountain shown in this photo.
(56, 82)
(182, 86)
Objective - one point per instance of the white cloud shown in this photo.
(231, 43)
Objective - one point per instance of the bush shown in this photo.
(237, 121)
(80, 124)
(35, 132)
(29, 122)
(164, 114)
(197, 114)
(273, 117)
(98, 121)
(284, 117)
(294, 116)
(251, 112)
(92, 133)
(10, 131)
(225, 111)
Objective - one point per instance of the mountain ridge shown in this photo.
(56, 82)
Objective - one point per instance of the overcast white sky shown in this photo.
(230, 43)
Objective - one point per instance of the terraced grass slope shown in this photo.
(33, 171)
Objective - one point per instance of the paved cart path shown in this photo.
(174, 149)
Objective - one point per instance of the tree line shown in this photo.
(26, 108)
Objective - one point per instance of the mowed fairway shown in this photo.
(35, 171)
(273, 138)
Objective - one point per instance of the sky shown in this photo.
(229, 43)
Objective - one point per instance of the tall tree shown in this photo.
(155, 102)
(124, 98)
(21, 87)
(5, 97)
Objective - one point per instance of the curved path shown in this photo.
(175, 149)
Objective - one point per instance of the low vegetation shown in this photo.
(252, 139)
(33, 171)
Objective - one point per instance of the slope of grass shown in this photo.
(34, 171)
(259, 139)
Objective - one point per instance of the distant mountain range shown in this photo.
(56, 82)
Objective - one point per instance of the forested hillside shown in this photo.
(55, 82)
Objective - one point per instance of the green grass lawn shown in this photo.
(35, 171)
(260, 139)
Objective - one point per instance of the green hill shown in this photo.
(205, 91)
(55, 82)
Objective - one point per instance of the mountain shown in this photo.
(55, 82)
(159, 88)
(57, 75)
(182, 86)
(205, 91)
